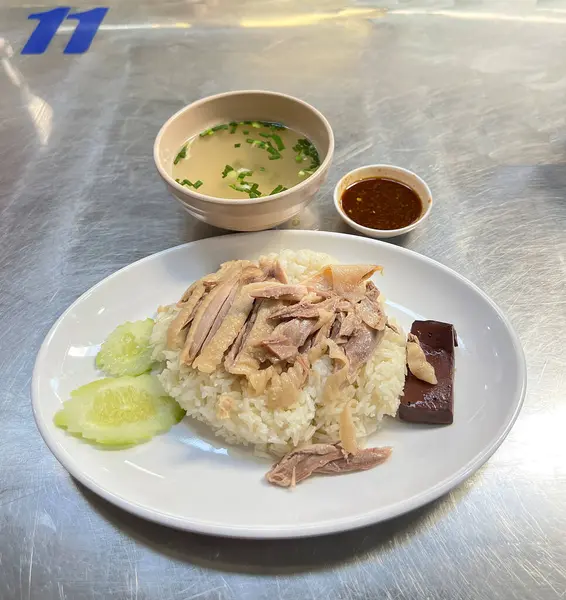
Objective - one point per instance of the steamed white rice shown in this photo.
(240, 417)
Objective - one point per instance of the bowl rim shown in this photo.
(231, 201)
(370, 231)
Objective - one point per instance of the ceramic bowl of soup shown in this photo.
(246, 160)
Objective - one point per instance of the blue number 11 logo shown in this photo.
(50, 20)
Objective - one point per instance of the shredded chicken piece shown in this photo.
(365, 459)
(336, 381)
(206, 327)
(288, 336)
(210, 280)
(371, 313)
(273, 269)
(349, 323)
(348, 280)
(305, 309)
(321, 282)
(259, 379)
(251, 355)
(187, 293)
(285, 387)
(304, 461)
(177, 332)
(360, 346)
(327, 459)
(282, 291)
(318, 339)
(210, 312)
(348, 430)
(335, 330)
(417, 362)
(233, 322)
(345, 280)
(289, 393)
(275, 398)
(238, 344)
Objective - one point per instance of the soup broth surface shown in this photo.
(245, 159)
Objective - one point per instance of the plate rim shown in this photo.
(283, 531)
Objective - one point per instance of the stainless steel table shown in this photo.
(468, 93)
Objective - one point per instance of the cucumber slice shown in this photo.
(127, 350)
(119, 412)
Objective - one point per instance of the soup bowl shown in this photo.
(250, 214)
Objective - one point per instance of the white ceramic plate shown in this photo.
(191, 480)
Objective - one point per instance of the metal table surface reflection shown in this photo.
(467, 93)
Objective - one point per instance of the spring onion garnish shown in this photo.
(276, 126)
(273, 152)
(257, 143)
(305, 149)
(304, 172)
(227, 170)
(219, 127)
(278, 142)
(244, 173)
(256, 124)
(241, 187)
(233, 127)
(237, 145)
(182, 154)
(262, 168)
(246, 132)
(247, 188)
(254, 191)
(279, 188)
(197, 184)
(206, 132)
(186, 183)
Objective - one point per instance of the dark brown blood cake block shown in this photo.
(423, 402)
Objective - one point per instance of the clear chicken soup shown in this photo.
(245, 159)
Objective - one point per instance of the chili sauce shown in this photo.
(381, 203)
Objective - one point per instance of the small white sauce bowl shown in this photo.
(399, 174)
